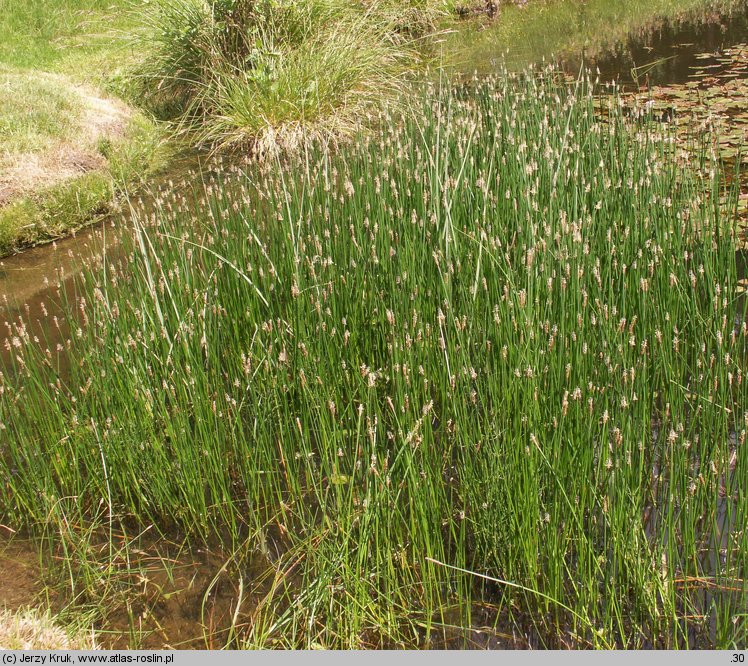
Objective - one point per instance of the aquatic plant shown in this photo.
(482, 368)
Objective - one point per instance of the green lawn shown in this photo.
(37, 111)
(75, 37)
(72, 38)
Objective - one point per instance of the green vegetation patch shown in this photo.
(487, 366)
(239, 71)
(66, 36)
(38, 111)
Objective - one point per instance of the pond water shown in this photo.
(660, 52)
(669, 51)
(615, 37)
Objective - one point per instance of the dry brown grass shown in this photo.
(34, 630)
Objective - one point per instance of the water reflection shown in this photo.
(616, 37)
(666, 52)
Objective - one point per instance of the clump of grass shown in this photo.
(492, 358)
(262, 72)
(323, 87)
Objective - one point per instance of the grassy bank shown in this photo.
(486, 367)
(230, 72)
(67, 141)
(69, 187)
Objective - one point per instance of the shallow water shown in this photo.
(668, 51)
(176, 599)
(616, 37)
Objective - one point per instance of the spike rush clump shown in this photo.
(482, 366)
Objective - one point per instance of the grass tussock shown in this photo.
(487, 366)
(268, 72)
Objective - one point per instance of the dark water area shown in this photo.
(667, 51)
